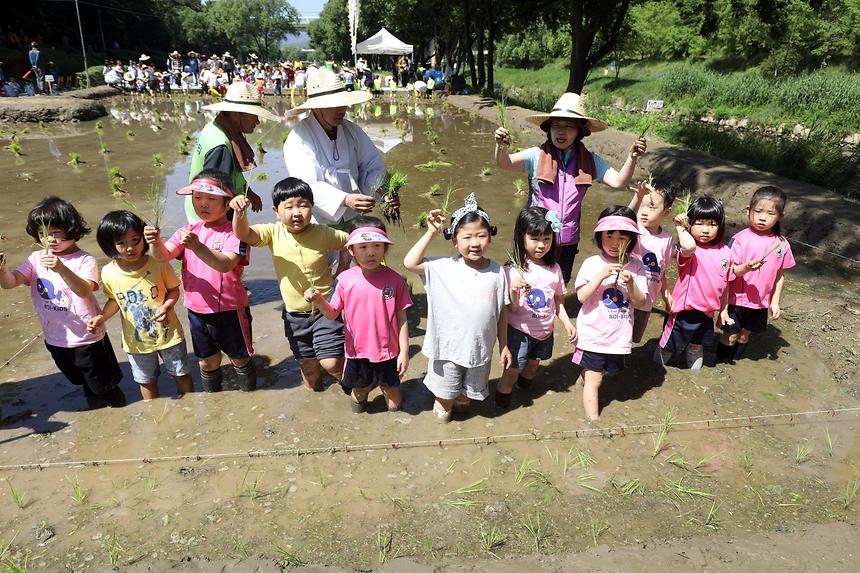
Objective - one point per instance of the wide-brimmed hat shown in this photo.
(128, 76)
(192, 54)
(617, 223)
(174, 54)
(205, 185)
(241, 97)
(367, 235)
(252, 55)
(568, 106)
(143, 58)
(185, 75)
(227, 55)
(326, 90)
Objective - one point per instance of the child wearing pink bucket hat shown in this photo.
(373, 300)
(609, 285)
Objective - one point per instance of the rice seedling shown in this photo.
(25, 131)
(745, 461)
(260, 149)
(104, 148)
(17, 496)
(151, 484)
(323, 480)
(622, 255)
(183, 148)
(646, 123)
(116, 188)
(446, 202)
(553, 455)
(398, 502)
(520, 186)
(502, 110)
(384, 543)
(240, 549)
(78, 493)
(467, 490)
(8, 560)
(492, 540)
(802, 454)
(662, 435)
(536, 527)
(114, 549)
(42, 125)
(585, 480)
(27, 176)
(287, 558)
(421, 221)
(129, 134)
(679, 461)
(598, 528)
(516, 261)
(392, 184)
(486, 171)
(523, 469)
(435, 190)
(704, 461)
(628, 487)
(432, 164)
(15, 148)
(850, 493)
(682, 202)
(45, 233)
(679, 489)
(156, 160)
(441, 150)
(261, 176)
(434, 139)
(581, 458)
(711, 520)
(360, 491)
(100, 124)
(74, 159)
(829, 441)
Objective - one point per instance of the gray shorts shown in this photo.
(145, 368)
(447, 380)
(313, 335)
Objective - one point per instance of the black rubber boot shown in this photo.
(211, 380)
(247, 376)
(115, 398)
(524, 382)
(740, 348)
(503, 400)
(724, 353)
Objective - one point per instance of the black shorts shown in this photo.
(685, 328)
(752, 319)
(313, 335)
(361, 373)
(93, 366)
(598, 361)
(228, 331)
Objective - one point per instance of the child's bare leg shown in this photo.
(443, 405)
(392, 396)
(741, 345)
(591, 385)
(334, 366)
(149, 391)
(360, 394)
(184, 384)
(506, 382)
(311, 374)
(531, 369)
(744, 336)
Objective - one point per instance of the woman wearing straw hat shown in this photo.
(332, 154)
(562, 169)
(222, 144)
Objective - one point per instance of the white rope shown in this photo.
(20, 350)
(532, 435)
(856, 262)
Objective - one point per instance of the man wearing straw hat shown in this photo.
(332, 154)
(222, 144)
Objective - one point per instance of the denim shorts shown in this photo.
(145, 369)
(525, 347)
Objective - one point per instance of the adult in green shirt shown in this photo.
(222, 145)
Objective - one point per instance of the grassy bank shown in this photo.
(826, 102)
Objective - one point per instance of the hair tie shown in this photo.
(552, 219)
(471, 206)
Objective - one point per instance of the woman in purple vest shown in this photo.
(562, 169)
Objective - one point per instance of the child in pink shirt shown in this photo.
(759, 257)
(703, 274)
(212, 262)
(609, 286)
(373, 299)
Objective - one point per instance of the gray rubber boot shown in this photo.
(211, 380)
(247, 376)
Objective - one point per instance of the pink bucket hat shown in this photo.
(205, 185)
(617, 223)
(367, 235)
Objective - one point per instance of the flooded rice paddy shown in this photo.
(770, 443)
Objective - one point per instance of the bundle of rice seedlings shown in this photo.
(682, 202)
(44, 232)
(155, 201)
(501, 108)
(393, 182)
(520, 187)
(622, 256)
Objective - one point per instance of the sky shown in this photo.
(308, 7)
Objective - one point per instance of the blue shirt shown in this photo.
(530, 161)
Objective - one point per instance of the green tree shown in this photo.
(255, 25)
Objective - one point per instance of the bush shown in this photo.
(684, 81)
(96, 77)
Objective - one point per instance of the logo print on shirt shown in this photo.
(45, 288)
(614, 298)
(536, 299)
(650, 262)
(387, 293)
(724, 264)
(217, 246)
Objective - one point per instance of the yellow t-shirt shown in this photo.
(139, 294)
(301, 259)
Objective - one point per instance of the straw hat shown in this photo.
(227, 55)
(185, 75)
(241, 97)
(143, 58)
(568, 106)
(252, 55)
(326, 90)
(174, 54)
(128, 76)
(192, 54)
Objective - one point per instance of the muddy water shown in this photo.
(434, 499)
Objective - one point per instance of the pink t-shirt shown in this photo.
(370, 304)
(537, 309)
(753, 289)
(605, 321)
(206, 290)
(63, 314)
(702, 278)
(655, 252)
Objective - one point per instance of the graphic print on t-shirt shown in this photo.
(650, 262)
(387, 293)
(140, 307)
(536, 299)
(613, 298)
(45, 288)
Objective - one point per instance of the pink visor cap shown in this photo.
(367, 235)
(617, 223)
(205, 185)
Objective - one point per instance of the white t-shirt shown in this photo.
(463, 310)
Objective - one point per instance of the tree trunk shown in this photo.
(578, 49)
(491, 36)
(470, 57)
(480, 46)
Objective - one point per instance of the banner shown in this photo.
(353, 6)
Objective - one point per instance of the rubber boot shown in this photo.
(211, 380)
(740, 348)
(724, 353)
(246, 376)
(115, 397)
(695, 359)
(524, 382)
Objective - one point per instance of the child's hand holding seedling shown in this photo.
(725, 318)
(312, 295)
(189, 240)
(435, 221)
(639, 148)
(743, 268)
(51, 261)
(151, 234)
(680, 221)
(240, 205)
(518, 283)
(609, 270)
(502, 136)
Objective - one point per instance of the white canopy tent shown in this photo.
(385, 43)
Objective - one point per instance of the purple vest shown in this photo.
(564, 197)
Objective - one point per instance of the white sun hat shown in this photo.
(568, 106)
(241, 97)
(143, 58)
(326, 90)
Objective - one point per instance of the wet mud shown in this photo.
(285, 475)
